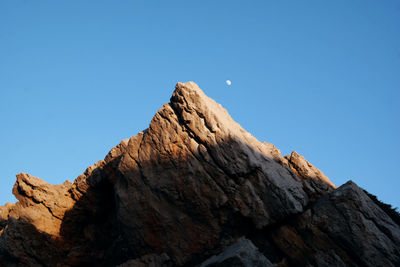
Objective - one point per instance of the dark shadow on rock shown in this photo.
(21, 244)
(91, 234)
(91, 229)
(188, 206)
(343, 228)
(204, 209)
(387, 208)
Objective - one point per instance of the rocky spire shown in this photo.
(184, 189)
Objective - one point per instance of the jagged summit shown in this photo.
(210, 122)
(190, 186)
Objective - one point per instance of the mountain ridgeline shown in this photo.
(196, 189)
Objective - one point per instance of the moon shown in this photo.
(228, 82)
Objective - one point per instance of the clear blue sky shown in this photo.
(318, 77)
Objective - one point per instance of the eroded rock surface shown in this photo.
(343, 228)
(241, 253)
(182, 191)
(197, 172)
(315, 182)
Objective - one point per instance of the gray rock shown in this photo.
(242, 253)
(344, 227)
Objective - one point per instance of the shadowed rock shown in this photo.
(241, 253)
(343, 228)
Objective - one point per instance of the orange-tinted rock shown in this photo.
(314, 181)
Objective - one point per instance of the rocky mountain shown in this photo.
(196, 189)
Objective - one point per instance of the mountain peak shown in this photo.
(190, 102)
(192, 185)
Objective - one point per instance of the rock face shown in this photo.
(343, 228)
(241, 253)
(314, 181)
(190, 187)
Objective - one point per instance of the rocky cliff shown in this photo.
(196, 189)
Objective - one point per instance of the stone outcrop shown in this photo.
(343, 228)
(188, 188)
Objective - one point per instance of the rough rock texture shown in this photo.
(41, 204)
(315, 182)
(184, 190)
(343, 228)
(194, 172)
(241, 253)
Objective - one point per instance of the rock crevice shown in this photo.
(193, 185)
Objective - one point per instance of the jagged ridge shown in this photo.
(184, 189)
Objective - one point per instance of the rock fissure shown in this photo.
(193, 185)
(199, 141)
